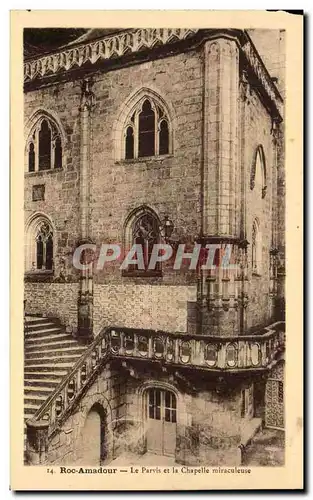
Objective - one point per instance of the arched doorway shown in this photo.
(93, 449)
(160, 420)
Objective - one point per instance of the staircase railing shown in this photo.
(74, 383)
(246, 352)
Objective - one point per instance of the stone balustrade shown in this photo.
(199, 351)
(247, 352)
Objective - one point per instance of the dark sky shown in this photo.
(41, 40)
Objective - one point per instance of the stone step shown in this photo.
(55, 375)
(40, 321)
(40, 390)
(35, 399)
(43, 332)
(40, 326)
(47, 339)
(49, 363)
(56, 345)
(69, 359)
(30, 409)
(50, 353)
(41, 382)
(47, 366)
(54, 353)
(37, 317)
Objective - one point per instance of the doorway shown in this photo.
(161, 420)
(92, 450)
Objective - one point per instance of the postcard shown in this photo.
(156, 242)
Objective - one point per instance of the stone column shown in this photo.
(220, 173)
(242, 282)
(280, 233)
(221, 95)
(274, 241)
(85, 299)
(37, 442)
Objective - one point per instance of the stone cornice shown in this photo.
(135, 41)
(262, 78)
(107, 48)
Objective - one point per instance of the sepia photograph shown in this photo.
(154, 215)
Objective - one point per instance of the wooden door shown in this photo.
(161, 422)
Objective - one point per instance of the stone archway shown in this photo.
(93, 447)
(163, 414)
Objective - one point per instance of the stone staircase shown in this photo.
(49, 353)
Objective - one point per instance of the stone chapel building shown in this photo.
(129, 132)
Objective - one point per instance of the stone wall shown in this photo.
(257, 132)
(210, 426)
(67, 446)
(170, 185)
(61, 200)
(142, 306)
(214, 433)
(209, 423)
(57, 300)
(129, 305)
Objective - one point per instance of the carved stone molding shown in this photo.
(107, 48)
(262, 77)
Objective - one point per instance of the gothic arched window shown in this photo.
(129, 148)
(142, 230)
(258, 172)
(58, 153)
(147, 131)
(31, 157)
(39, 245)
(44, 247)
(44, 146)
(164, 138)
(256, 248)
